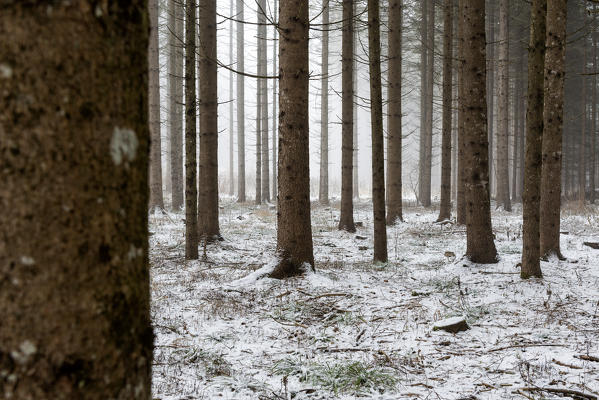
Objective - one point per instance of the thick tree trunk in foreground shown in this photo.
(208, 198)
(175, 88)
(553, 119)
(394, 179)
(156, 198)
(461, 192)
(323, 186)
(294, 231)
(240, 104)
(503, 171)
(346, 218)
(74, 282)
(378, 144)
(480, 245)
(191, 179)
(534, 136)
(445, 210)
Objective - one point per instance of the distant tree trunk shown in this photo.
(445, 209)
(534, 137)
(593, 166)
(75, 140)
(424, 4)
(346, 218)
(503, 171)
(394, 131)
(553, 126)
(175, 88)
(294, 231)
(191, 180)
(480, 245)
(582, 171)
(263, 87)
(156, 198)
(461, 200)
(274, 107)
(323, 187)
(378, 144)
(240, 104)
(491, 61)
(428, 143)
(258, 199)
(356, 176)
(231, 121)
(208, 199)
(454, 107)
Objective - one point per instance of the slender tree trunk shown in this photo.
(258, 199)
(208, 199)
(191, 180)
(593, 166)
(156, 198)
(461, 201)
(323, 191)
(445, 209)
(582, 171)
(74, 297)
(428, 144)
(175, 87)
(346, 219)
(522, 122)
(294, 231)
(274, 107)
(516, 136)
(231, 121)
(553, 127)
(491, 61)
(240, 104)
(378, 144)
(455, 106)
(480, 245)
(424, 4)
(394, 131)
(263, 87)
(503, 171)
(355, 85)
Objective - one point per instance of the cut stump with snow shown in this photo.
(451, 325)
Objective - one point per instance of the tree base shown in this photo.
(288, 269)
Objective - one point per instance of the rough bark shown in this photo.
(424, 4)
(534, 137)
(503, 85)
(258, 197)
(175, 88)
(74, 146)
(376, 122)
(263, 88)
(241, 197)
(491, 66)
(582, 172)
(461, 192)
(231, 106)
(191, 179)
(553, 127)
(480, 245)
(428, 142)
(356, 176)
(445, 209)
(208, 193)
(294, 231)
(593, 161)
(323, 187)
(346, 218)
(274, 109)
(156, 198)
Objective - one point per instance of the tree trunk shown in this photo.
(346, 219)
(445, 209)
(355, 85)
(553, 126)
(503, 171)
(424, 4)
(74, 291)
(258, 199)
(428, 143)
(294, 231)
(323, 187)
(175, 87)
(593, 165)
(491, 93)
(582, 171)
(480, 245)
(274, 107)
(461, 201)
(376, 122)
(240, 104)
(191, 180)
(534, 137)
(208, 199)
(156, 198)
(231, 103)
(394, 131)
(263, 88)
(516, 94)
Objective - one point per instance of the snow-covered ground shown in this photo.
(358, 330)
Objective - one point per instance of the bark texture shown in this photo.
(445, 209)
(263, 87)
(503, 171)
(175, 89)
(294, 231)
(323, 187)
(461, 192)
(534, 137)
(208, 193)
(480, 244)
(191, 176)
(553, 118)
(376, 122)
(346, 218)
(240, 104)
(156, 198)
(74, 146)
(394, 178)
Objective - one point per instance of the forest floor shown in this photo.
(358, 330)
